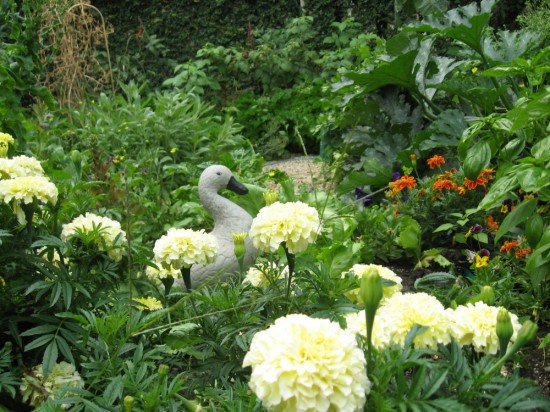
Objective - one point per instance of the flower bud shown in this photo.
(505, 329)
(526, 334)
(238, 241)
(128, 403)
(486, 295)
(270, 197)
(371, 289)
(163, 370)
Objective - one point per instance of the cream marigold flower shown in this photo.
(398, 313)
(20, 166)
(294, 223)
(359, 270)
(185, 247)
(149, 303)
(109, 230)
(161, 273)
(315, 366)
(25, 189)
(35, 389)
(258, 275)
(475, 324)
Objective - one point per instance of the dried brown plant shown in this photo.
(73, 32)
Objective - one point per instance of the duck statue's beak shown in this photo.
(235, 186)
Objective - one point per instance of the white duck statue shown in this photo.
(228, 218)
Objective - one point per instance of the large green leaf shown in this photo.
(477, 159)
(400, 72)
(521, 213)
(526, 112)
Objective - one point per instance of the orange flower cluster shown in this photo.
(435, 161)
(510, 245)
(482, 179)
(404, 182)
(491, 223)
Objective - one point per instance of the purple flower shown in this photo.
(477, 228)
(395, 176)
(361, 195)
(484, 252)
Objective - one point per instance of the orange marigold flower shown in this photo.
(491, 224)
(521, 253)
(470, 184)
(509, 245)
(406, 181)
(487, 174)
(435, 161)
(444, 184)
(461, 191)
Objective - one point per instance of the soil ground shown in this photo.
(310, 170)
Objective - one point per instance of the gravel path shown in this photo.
(302, 169)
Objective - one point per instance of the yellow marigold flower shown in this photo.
(315, 366)
(475, 324)
(185, 247)
(35, 389)
(474, 70)
(435, 161)
(294, 223)
(481, 261)
(173, 150)
(359, 270)
(149, 303)
(25, 189)
(110, 232)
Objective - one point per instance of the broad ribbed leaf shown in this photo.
(517, 216)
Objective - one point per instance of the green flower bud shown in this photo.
(163, 370)
(371, 289)
(526, 334)
(238, 240)
(486, 295)
(270, 197)
(128, 403)
(505, 330)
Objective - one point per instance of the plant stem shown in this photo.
(291, 259)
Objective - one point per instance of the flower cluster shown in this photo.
(262, 274)
(110, 234)
(22, 181)
(185, 247)
(20, 166)
(35, 389)
(475, 324)
(295, 224)
(472, 324)
(315, 366)
(514, 246)
(403, 182)
(359, 270)
(149, 303)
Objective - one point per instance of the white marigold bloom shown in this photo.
(398, 313)
(314, 365)
(360, 270)
(476, 325)
(35, 389)
(20, 166)
(149, 303)
(25, 189)
(161, 273)
(295, 223)
(258, 275)
(184, 248)
(110, 232)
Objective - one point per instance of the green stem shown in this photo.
(291, 260)
(186, 273)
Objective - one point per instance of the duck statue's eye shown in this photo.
(219, 173)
